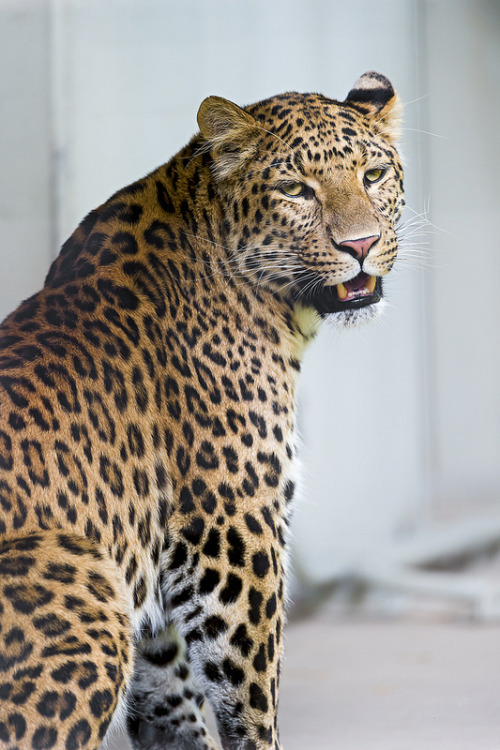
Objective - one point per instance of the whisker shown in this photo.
(270, 132)
(415, 101)
(426, 132)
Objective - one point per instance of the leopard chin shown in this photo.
(351, 318)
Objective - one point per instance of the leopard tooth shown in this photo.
(370, 284)
(341, 291)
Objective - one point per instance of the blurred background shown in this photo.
(400, 421)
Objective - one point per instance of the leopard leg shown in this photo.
(165, 705)
(66, 650)
(231, 617)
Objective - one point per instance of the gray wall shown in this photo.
(25, 139)
(401, 420)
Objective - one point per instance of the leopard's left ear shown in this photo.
(230, 132)
(374, 96)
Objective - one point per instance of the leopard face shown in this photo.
(147, 423)
(314, 216)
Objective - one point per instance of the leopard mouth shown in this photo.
(358, 292)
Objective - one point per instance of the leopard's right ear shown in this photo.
(373, 95)
(230, 132)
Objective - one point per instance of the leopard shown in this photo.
(148, 442)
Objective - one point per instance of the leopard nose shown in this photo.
(359, 248)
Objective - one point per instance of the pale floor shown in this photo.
(389, 686)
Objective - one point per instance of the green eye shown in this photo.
(374, 175)
(293, 189)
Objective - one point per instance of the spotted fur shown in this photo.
(147, 423)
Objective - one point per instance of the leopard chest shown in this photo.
(232, 493)
(220, 449)
(229, 435)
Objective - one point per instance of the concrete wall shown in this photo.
(25, 146)
(462, 73)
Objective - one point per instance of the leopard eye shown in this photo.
(294, 189)
(374, 175)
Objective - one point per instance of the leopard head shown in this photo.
(311, 191)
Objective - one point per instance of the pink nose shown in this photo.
(359, 248)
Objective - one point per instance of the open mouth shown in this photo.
(361, 291)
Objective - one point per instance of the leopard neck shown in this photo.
(162, 242)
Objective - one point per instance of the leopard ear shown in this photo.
(230, 132)
(374, 96)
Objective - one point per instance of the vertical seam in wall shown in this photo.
(427, 343)
(57, 111)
